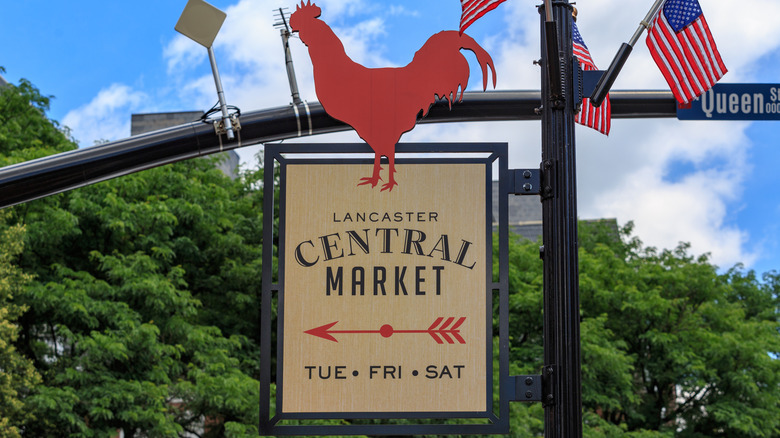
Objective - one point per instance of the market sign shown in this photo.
(734, 102)
(385, 298)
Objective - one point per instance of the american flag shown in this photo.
(682, 46)
(596, 118)
(473, 9)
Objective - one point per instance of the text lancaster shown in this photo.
(397, 216)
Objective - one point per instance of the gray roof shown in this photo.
(525, 214)
(142, 123)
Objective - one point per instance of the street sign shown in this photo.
(734, 102)
(385, 298)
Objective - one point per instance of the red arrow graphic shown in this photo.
(439, 331)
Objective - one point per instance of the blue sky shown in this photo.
(713, 184)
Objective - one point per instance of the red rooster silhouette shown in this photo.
(383, 103)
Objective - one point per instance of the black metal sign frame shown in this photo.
(495, 418)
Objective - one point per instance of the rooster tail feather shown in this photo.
(440, 65)
(483, 58)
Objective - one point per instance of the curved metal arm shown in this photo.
(58, 173)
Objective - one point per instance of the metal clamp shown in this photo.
(547, 179)
(221, 129)
(577, 84)
(548, 373)
(525, 181)
(527, 388)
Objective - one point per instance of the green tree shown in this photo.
(17, 375)
(25, 131)
(670, 346)
(702, 345)
(145, 295)
(143, 313)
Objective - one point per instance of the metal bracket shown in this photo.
(547, 178)
(577, 84)
(589, 80)
(525, 181)
(548, 373)
(585, 82)
(219, 125)
(527, 388)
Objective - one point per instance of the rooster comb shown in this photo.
(305, 5)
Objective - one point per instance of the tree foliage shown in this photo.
(670, 346)
(132, 276)
(25, 131)
(17, 375)
(142, 314)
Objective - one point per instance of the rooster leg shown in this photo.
(374, 178)
(390, 174)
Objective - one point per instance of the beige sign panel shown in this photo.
(384, 296)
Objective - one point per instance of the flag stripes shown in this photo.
(474, 9)
(596, 118)
(688, 59)
(599, 118)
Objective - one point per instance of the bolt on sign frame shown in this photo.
(355, 358)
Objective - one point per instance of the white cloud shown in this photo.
(693, 210)
(106, 117)
(359, 42)
(182, 54)
(740, 34)
(337, 9)
(402, 10)
(248, 37)
(628, 177)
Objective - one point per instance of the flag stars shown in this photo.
(681, 13)
(576, 36)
